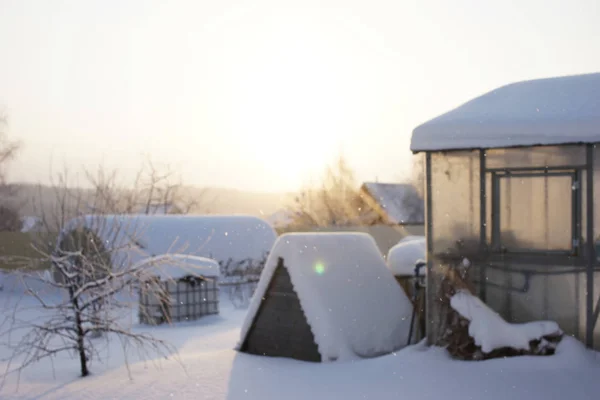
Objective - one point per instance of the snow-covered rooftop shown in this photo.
(400, 202)
(559, 110)
(350, 298)
(216, 237)
(403, 257)
(180, 265)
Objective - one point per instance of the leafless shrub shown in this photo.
(94, 270)
(10, 221)
(335, 201)
(9, 210)
(91, 279)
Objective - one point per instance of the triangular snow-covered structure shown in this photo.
(559, 110)
(326, 297)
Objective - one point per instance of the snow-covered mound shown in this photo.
(350, 298)
(538, 112)
(130, 238)
(402, 257)
(491, 332)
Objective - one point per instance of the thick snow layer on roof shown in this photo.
(180, 265)
(401, 202)
(491, 332)
(350, 298)
(403, 257)
(133, 237)
(538, 112)
(411, 238)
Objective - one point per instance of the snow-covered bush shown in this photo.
(246, 268)
(473, 331)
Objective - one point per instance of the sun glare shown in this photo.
(319, 268)
(291, 107)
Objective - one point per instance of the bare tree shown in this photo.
(9, 209)
(10, 221)
(8, 151)
(90, 276)
(163, 191)
(334, 202)
(418, 173)
(154, 190)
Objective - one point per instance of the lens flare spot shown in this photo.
(319, 268)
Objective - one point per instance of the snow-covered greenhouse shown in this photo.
(235, 242)
(511, 179)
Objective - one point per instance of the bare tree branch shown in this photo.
(334, 202)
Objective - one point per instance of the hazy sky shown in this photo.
(257, 94)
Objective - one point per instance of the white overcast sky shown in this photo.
(262, 94)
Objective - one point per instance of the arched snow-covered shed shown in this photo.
(124, 239)
(326, 297)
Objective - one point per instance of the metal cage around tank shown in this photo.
(177, 300)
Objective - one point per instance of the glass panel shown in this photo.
(488, 208)
(597, 196)
(544, 156)
(536, 212)
(455, 198)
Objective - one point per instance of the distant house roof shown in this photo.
(281, 218)
(397, 203)
(549, 111)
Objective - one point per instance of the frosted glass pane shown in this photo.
(527, 157)
(455, 198)
(536, 212)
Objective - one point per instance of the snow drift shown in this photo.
(403, 257)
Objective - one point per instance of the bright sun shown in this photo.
(291, 104)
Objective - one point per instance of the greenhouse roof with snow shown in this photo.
(549, 111)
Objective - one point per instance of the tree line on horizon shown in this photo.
(335, 200)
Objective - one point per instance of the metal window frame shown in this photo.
(430, 303)
(585, 261)
(591, 314)
(574, 172)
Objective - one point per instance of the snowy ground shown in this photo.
(214, 371)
